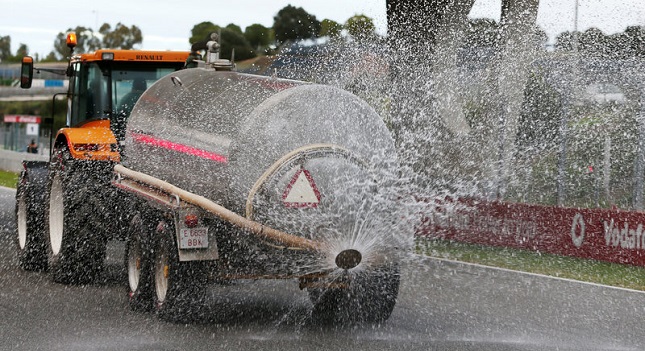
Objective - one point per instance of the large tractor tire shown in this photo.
(31, 243)
(179, 286)
(139, 259)
(76, 252)
(369, 298)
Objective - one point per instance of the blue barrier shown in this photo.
(50, 83)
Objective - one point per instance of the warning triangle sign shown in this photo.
(301, 191)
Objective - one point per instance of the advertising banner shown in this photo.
(602, 234)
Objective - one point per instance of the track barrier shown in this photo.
(610, 235)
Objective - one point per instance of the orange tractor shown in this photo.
(103, 87)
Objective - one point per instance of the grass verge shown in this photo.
(8, 179)
(534, 262)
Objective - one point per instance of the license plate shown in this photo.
(193, 238)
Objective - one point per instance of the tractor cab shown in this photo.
(107, 83)
(103, 88)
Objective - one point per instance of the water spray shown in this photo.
(285, 172)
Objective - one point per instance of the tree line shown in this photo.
(289, 24)
(594, 43)
(292, 24)
(119, 37)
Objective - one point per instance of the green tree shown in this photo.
(360, 27)
(258, 36)
(592, 42)
(230, 39)
(5, 51)
(542, 37)
(122, 37)
(51, 57)
(565, 41)
(23, 50)
(5, 48)
(482, 32)
(635, 41)
(330, 28)
(234, 27)
(541, 114)
(86, 41)
(294, 23)
(616, 45)
(201, 31)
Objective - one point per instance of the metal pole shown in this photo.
(575, 20)
(606, 176)
(562, 158)
(500, 186)
(639, 166)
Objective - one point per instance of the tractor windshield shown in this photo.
(128, 82)
(109, 89)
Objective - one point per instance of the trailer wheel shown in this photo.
(179, 286)
(369, 298)
(139, 262)
(75, 252)
(32, 250)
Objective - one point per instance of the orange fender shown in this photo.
(92, 141)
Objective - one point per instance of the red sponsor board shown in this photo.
(21, 119)
(600, 234)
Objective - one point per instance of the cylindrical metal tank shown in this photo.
(270, 149)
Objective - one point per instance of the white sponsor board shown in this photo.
(32, 129)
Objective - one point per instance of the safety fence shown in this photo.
(610, 235)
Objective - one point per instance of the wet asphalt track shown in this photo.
(442, 306)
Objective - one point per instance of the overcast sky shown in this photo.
(166, 24)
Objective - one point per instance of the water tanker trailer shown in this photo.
(234, 176)
(213, 176)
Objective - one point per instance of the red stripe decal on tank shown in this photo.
(185, 149)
